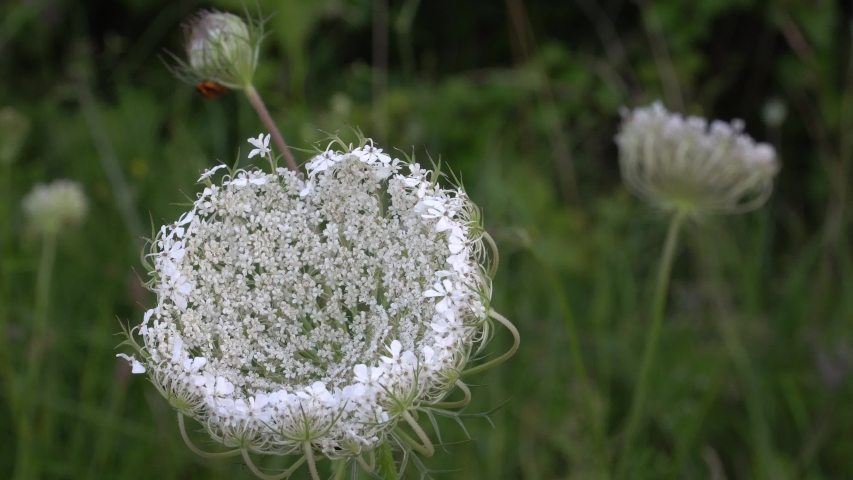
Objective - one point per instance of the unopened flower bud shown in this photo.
(55, 206)
(14, 127)
(686, 165)
(221, 48)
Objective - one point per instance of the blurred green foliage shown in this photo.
(521, 98)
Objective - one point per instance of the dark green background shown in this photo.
(520, 98)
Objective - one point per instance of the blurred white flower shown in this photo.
(54, 206)
(686, 165)
(774, 112)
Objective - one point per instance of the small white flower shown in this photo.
(136, 367)
(394, 349)
(367, 375)
(370, 154)
(458, 240)
(441, 211)
(174, 252)
(262, 143)
(209, 172)
(322, 162)
(177, 289)
(309, 187)
(444, 290)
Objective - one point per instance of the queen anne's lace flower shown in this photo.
(56, 205)
(686, 165)
(310, 315)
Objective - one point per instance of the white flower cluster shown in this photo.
(57, 205)
(685, 164)
(315, 311)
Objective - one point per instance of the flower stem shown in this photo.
(387, 466)
(312, 465)
(196, 450)
(658, 303)
(255, 100)
(575, 346)
(264, 476)
(759, 429)
(25, 467)
(368, 467)
(459, 403)
(516, 340)
(425, 448)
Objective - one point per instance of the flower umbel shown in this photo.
(54, 206)
(685, 165)
(303, 316)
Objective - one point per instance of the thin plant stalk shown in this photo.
(761, 437)
(256, 101)
(573, 337)
(24, 465)
(119, 186)
(312, 465)
(6, 371)
(636, 412)
(516, 341)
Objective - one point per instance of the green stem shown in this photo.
(459, 403)
(312, 465)
(6, 370)
(340, 469)
(516, 341)
(196, 450)
(48, 254)
(25, 467)
(761, 438)
(635, 415)
(425, 448)
(119, 185)
(256, 101)
(575, 346)
(264, 476)
(387, 466)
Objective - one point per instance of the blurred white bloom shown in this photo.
(54, 206)
(684, 164)
(316, 312)
(263, 145)
(774, 113)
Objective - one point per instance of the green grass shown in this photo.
(752, 374)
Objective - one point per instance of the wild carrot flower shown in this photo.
(686, 165)
(309, 316)
(54, 206)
